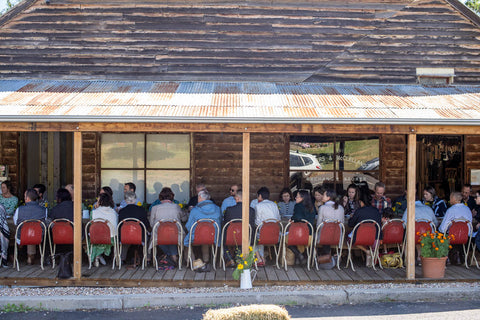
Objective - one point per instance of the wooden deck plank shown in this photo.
(180, 274)
(302, 273)
(149, 273)
(128, 273)
(344, 276)
(189, 275)
(312, 274)
(362, 274)
(220, 275)
(167, 275)
(199, 276)
(159, 274)
(281, 274)
(270, 274)
(117, 274)
(262, 273)
(332, 275)
(139, 274)
(352, 274)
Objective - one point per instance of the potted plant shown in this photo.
(242, 271)
(434, 249)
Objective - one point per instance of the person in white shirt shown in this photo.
(264, 210)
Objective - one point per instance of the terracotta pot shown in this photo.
(433, 267)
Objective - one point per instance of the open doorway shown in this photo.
(439, 164)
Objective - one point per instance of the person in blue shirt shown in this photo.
(230, 200)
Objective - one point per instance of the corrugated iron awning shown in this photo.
(237, 102)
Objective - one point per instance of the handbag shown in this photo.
(65, 265)
(392, 261)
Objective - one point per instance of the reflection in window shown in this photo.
(333, 162)
(167, 164)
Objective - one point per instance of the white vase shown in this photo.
(246, 279)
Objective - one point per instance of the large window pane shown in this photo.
(178, 180)
(301, 154)
(115, 179)
(358, 155)
(358, 178)
(311, 179)
(168, 151)
(122, 150)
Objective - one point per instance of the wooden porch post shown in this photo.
(411, 174)
(77, 205)
(246, 192)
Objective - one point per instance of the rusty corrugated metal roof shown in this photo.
(106, 101)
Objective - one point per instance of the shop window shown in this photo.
(151, 161)
(333, 162)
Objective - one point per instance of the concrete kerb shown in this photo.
(284, 297)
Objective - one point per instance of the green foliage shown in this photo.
(11, 307)
(474, 5)
(243, 264)
(251, 312)
(434, 245)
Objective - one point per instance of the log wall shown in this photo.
(218, 163)
(90, 165)
(9, 155)
(394, 163)
(472, 157)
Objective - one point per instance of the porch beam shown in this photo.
(411, 174)
(77, 205)
(293, 128)
(245, 193)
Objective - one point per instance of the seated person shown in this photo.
(104, 211)
(230, 200)
(235, 212)
(286, 203)
(205, 209)
(304, 210)
(4, 237)
(64, 207)
(31, 210)
(167, 210)
(264, 210)
(458, 210)
(42, 197)
(128, 187)
(430, 199)
(132, 210)
(7, 199)
(365, 212)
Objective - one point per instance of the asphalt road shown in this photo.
(464, 310)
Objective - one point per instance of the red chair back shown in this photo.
(167, 233)
(269, 233)
(459, 229)
(62, 232)
(204, 233)
(393, 232)
(233, 236)
(31, 233)
(422, 227)
(100, 233)
(131, 232)
(330, 234)
(366, 234)
(298, 234)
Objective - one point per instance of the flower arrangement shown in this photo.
(434, 245)
(244, 263)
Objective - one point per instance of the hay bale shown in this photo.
(251, 312)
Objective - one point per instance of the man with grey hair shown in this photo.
(132, 210)
(205, 209)
(458, 210)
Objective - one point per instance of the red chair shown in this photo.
(329, 233)
(167, 232)
(298, 234)
(206, 233)
(365, 234)
(131, 231)
(97, 231)
(461, 230)
(32, 232)
(269, 233)
(232, 236)
(393, 233)
(423, 226)
(60, 231)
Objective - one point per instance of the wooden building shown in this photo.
(204, 75)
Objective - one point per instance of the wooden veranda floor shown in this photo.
(269, 275)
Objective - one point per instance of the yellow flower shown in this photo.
(139, 204)
(245, 262)
(240, 267)
(46, 205)
(241, 255)
(423, 244)
(250, 249)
